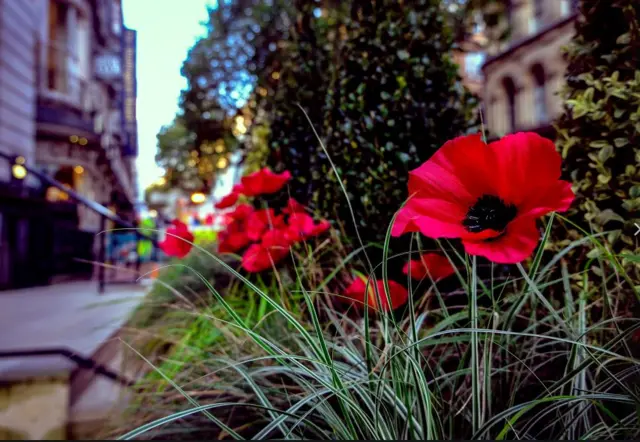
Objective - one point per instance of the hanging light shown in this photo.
(222, 163)
(18, 171)
(198, 197)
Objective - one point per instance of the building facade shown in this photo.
(67, 108)
(524, 74)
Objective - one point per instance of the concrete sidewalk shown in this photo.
(70, 315)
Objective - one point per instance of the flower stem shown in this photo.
(475, 364)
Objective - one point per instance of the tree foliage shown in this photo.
(599, 131)
(190, 164)
(197, 145)
(378, 82)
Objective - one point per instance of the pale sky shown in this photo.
(166, 31)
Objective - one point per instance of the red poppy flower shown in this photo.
(301, 226)
(272, 249)
(262, 220)
(241, 211)
(230, 242)
(438, 266)
(398, 294)
(175, 241)
(264, 181)
(488, 195)
(320, 228)
(227, 201)
(293, 207)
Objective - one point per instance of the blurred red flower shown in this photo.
(238, 188)
(488, 195)
(301, 226)
(397, 293)
(293, 206)
(262, 220)
(175, 241)
(227, 201)
(230, 242)
(241, 211)
(272, 249)
(264, 181)
(320, 228)
(439, 267)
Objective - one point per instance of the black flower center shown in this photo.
(489, 212)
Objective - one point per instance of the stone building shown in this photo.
(67, 108)
(523, 75)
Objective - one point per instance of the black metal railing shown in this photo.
(80, 361)
(105, 215)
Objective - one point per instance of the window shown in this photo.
(510, 92)
(116, 17)
(565, 7)
(68, 49)
(539, 94)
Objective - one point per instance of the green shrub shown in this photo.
(398, 98)
(379, 84)
(599, 134)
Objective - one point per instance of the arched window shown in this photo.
(510, 92)
(539, 94)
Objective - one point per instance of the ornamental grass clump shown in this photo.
(524, 356)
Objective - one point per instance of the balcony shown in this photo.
(64, 102)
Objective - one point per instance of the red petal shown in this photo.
(241, 211)
(264, 181)
(554, 198)
(438, 267)
(233, 242)
(293, 207)
(176, 223)
(238, 188)
(300, 225)
(259, 257)
(227, 201)
(255, 259)
(435, 218)
(356, 291)
(460, 171)
(260, 221)
(320, 228)
(525, 162)
(516, 244)
(177, 240)
(398, 294)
